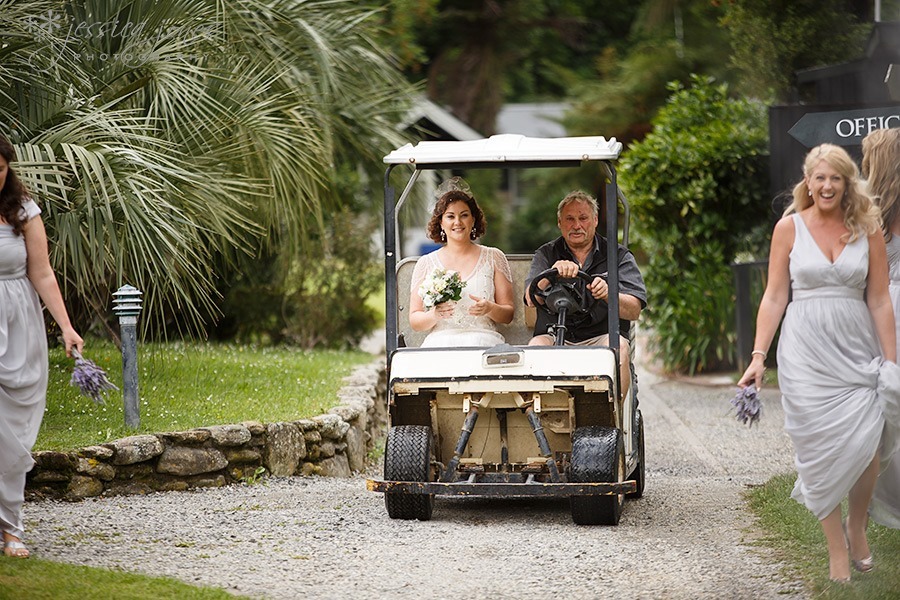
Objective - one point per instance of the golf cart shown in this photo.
(512, 420)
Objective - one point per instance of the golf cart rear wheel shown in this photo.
(598, 455)
(638, 473)
(407, 457)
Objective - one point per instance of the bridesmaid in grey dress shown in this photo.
(25, 275)
(837, 352)
(881, 167)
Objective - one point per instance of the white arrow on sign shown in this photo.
(843, 127)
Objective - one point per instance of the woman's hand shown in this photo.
(480, 306)
(754, 373)
(444, 310)
(72, 340)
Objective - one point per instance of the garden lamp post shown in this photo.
(127, 302)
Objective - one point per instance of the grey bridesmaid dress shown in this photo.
(23, 373)
(840, 396)
(885, 508)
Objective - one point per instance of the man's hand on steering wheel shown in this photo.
(566, 269)
(561, 290)
(598, 287)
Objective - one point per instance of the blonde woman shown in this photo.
(881, 167)
(837, 350)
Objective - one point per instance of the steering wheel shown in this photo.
(564, 296)
(569, 295)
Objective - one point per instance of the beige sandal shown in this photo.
(14, 548)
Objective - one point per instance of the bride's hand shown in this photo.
(480, 306)
(444, 310)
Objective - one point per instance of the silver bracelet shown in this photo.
(760, 352)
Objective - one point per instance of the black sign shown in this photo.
(844, 128)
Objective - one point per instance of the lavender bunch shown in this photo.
(748, 408)
(90, 379)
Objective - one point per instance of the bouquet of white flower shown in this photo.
(441, 286)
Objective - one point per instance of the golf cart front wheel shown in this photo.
(407, 457)
(598, 456)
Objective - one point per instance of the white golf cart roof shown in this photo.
(507, 148)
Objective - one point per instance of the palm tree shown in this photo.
(165, 138)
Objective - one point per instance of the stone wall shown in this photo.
(334, 444)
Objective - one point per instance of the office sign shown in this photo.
(843, 127)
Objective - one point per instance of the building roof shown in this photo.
(859, 81)
(534, 119)
(438, 122)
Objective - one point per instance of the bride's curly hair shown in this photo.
(861, 215)
(433, 229)
(13, 193)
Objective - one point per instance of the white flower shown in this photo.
(441, 286)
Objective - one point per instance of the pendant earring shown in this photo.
(809, 193)
(473, 235)
(443, 236)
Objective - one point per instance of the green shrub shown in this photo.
(698, 185)
(325, 298)
(314, 299)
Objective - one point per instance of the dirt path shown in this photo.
(688, 537)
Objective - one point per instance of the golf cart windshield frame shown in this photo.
(500, 152)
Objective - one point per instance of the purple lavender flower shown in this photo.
(748, 408)
(90, 379)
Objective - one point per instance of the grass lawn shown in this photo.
(794, 535)
(187, 385)
(35, 579)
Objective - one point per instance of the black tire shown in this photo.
(407, 457)
(638, 473)
(598, 455)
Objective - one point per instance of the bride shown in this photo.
(487, 297)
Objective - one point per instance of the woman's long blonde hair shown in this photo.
(861, 216)
(881, 168)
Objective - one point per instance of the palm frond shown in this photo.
(165, 139)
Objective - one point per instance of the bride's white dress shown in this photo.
(841, 398)
(464, 329)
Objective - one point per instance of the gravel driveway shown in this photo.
(688, 537)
